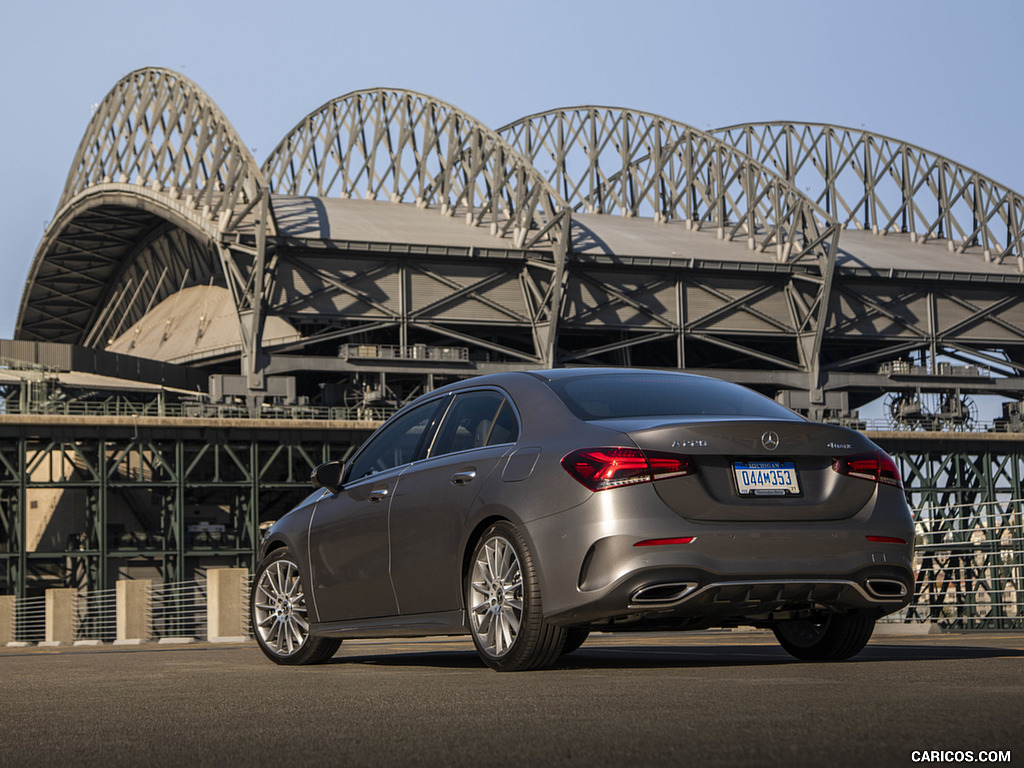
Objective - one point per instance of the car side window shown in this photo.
(475, 420)
(400, 442)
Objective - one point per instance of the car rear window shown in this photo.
(624, 396)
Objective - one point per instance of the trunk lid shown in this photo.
(757, 470)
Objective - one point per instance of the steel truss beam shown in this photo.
(132, 496)
(915, 315)
(339, 294)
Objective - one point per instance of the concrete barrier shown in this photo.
(134, 609)
(7, 619)
(226, 605)
(61, 607)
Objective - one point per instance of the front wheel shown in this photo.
(278, 608)
(831, 637)
(503, 601)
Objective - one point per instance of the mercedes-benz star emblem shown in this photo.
(770, 440)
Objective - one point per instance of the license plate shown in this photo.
(766, 478)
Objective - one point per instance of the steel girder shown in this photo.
(885, 185)
(350, 290)
(881, 319)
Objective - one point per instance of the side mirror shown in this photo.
(328, 476)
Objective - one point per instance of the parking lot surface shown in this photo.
(711, 698)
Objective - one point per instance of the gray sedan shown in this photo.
(529, 509)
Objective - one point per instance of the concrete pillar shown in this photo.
(7, 617)
(60, 616)
(226, 606)
(134, 607)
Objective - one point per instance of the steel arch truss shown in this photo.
(609, 160)
(157, 128)
(160, 195)
(885, 185)
(613, 161)
(409, 147)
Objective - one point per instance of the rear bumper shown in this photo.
(592, 568)
(666, 594)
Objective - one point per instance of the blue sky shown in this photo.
(943, 75)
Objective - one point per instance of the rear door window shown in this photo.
(476, 420)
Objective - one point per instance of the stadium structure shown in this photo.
(198, 329)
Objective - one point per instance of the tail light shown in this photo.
(602, 468)
(877, 466)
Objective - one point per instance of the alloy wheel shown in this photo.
(280, 608)
(496, 596)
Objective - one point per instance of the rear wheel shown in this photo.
(830, 637)
(504, 604)
(278, 609)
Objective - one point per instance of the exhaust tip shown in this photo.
(663, 594)
(886, 589)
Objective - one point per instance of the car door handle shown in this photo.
(377, 494)
(462, 478)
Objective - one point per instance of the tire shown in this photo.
(277, 604)
(503, 604)
(574, 638)
(834, 637)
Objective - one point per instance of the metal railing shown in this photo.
(380, 413)
(411, 352)
(123, 408)
(930, 424)
(30, 619)
(178, 610)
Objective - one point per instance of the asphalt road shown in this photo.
(707, 699)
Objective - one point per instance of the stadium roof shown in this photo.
(551, 225)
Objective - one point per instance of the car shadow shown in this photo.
(679, 657)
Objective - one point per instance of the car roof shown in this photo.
(554, 374)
